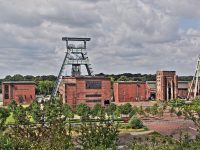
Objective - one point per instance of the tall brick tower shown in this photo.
(166, 85)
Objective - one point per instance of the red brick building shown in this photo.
(85, 89)
(183, 88)
(129, 91)
(151, 90)
(166, 85)
(23, 92)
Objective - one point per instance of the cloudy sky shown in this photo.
(137, 36)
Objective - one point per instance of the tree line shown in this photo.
(45, 83)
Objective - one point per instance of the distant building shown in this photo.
(23, 92)
(166, 85)
(151, 90)
(129, 91)
(89, 90)
(183, 88)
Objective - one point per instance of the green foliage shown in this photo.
(158, 142)
(45, 87)
(111, 109)
(4, 114)
(96, 110)
(154, 109)
(135, 123)
(177, 103)
(12, 106)
(83, 111)
(44, 84)
(67, 111)
(125, 109)
(123, 78)
(6, 143)
(97, 136)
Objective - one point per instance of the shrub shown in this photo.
(135, 123)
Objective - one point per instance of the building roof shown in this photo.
(151, 84)
(18, 82)
(183, 84)
(75, 39)
(86, 77)
(129, 82)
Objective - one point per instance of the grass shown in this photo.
(131, 130)
(11, 120)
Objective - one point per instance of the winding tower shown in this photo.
(76, 56)
(194, 89)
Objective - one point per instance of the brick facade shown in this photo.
(151, 90)
(183, 88)
(166, 85)
(129, 91)
(83, 89)
(23, 92)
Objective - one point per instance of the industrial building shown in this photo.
(23, 92)
(166, 85)
(129, 91)
(183, 88)
(151, 90)
(89, 90)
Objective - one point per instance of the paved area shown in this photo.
(141, 133)
(171, 125)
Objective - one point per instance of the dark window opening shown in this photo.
(93, 95)
(95, 101)
(93, 84)
(21, 99)
(6, 96)
(6, 92)
(31, 97)
(106, 102)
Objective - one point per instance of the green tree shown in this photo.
(96, 110)
(123, 78)
(83, 111)
(111, 110)
(135, 123)
(97, 136)
(4, 114)
(126, 109)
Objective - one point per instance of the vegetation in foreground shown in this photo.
(51, 125)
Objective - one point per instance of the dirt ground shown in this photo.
(170, 125)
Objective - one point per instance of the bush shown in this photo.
(135, 123)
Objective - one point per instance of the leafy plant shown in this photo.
(135, 123)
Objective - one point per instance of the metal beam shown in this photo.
(75, 39)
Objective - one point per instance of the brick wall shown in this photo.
(76, 91)
(129, 91)
(21, 93)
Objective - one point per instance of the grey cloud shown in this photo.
(127, 36)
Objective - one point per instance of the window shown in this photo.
(93, 95)
(21, 99)
(6, 92)
(95, 101)
(93, 84)
(31, 97)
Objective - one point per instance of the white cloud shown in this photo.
(127, 36)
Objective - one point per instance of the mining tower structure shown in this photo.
(76, 56)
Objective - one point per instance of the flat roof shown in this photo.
(18, 82)
(129, 82)
(75, 39)
(86, 77)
